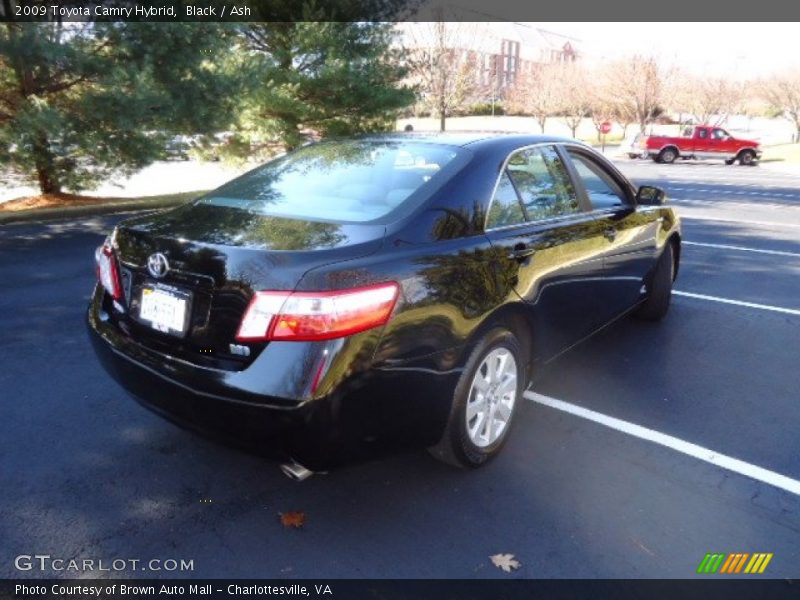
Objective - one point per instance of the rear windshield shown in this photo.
(340, 181)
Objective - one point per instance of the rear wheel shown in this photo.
(747, 158)
(659, 292)
(667, 155)
(485, 401)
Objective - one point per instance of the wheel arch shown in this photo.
(517, 318)
(675, 240)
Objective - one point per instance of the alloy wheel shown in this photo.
(491, 398)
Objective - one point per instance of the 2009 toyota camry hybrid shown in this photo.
(364, 295)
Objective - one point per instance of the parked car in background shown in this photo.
(701, 142)
(178, 147)
(360, 296)
(632, 146)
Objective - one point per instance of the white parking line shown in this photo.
(739, 221)
(778, 309)
(741, 248)
(705, 454)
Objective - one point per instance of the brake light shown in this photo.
(106, 269)
(310, 316)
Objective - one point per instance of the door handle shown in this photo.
(610, 233)
(521, 252)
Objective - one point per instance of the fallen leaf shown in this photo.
(505, 562)
(293, 519)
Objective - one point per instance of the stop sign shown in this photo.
(605, 127)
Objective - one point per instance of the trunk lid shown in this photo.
(215, 258)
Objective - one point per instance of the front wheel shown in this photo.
(485, 401)
(747, 158)
(659, 289)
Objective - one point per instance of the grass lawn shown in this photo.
(789, 153)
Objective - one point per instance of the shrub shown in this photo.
(485, 108)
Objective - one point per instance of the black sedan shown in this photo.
(365, 295)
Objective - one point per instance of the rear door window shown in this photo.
(506, 208)
(542, 182)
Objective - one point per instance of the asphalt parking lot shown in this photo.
(87, 473)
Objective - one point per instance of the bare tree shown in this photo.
(536, 93)
(441, 64)
(575, 99)
(783, 93)
(602, 100)
(639, 82)
(708, 100)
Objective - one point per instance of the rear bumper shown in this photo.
(372, 413)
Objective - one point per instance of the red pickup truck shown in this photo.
(701, 141)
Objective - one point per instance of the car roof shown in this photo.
(468, 138)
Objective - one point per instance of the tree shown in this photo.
(602, 101)
(639, 83)
(707, 100)
(575, 99)
(440, 66)
(782, 91)
(82, 101)
(536, 93)
(325, 77)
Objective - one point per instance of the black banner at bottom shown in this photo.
(390, 589)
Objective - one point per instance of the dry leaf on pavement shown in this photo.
(505, 562)
(293, 519)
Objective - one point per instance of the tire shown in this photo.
(656, 306)
(747, 158)
(667, 156)
(468, 443)
(631, 155)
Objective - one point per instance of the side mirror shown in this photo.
(649, 195)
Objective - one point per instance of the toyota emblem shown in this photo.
(157, 265)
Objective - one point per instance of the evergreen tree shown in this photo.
(82, 101)
(329, 77)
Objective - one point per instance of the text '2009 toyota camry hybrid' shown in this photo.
(358, 296)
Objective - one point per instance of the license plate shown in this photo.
(165, 310)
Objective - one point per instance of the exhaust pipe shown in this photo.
(295, 471)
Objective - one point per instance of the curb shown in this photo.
(50, 214)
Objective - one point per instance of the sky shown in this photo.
(744, 50)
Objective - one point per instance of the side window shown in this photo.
(601, 188)
(702, 133)
(505, 208)
(543, 183)
(720, 134)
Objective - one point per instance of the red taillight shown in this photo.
(106, 269)
(308, 316)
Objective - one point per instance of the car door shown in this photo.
(702, 144)
(549, 246)
(629, 235)
(724, 144)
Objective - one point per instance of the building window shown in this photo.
(487, 69)
(509, 62)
